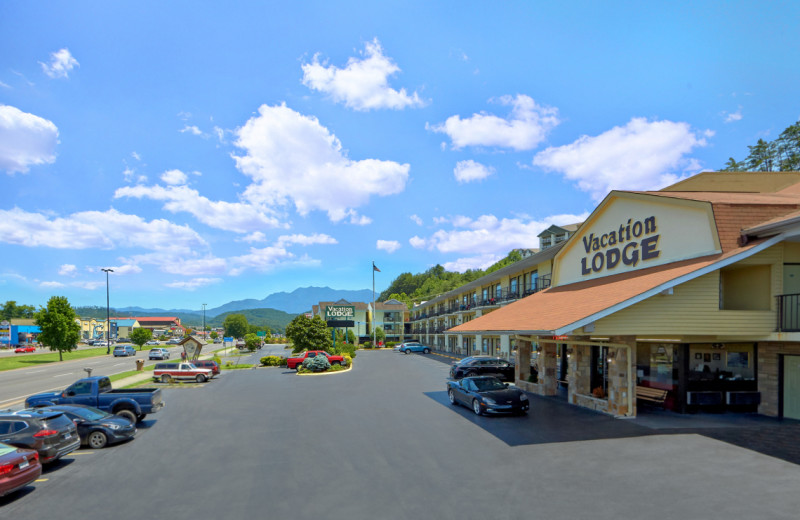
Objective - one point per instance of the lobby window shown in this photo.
(514, 283)
(745, 288)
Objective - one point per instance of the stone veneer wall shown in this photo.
(768, 375)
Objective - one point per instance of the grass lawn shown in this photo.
(29, 360)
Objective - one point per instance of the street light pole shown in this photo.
(108, 314)
(204, 321)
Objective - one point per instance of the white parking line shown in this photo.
(118, 364)
(35, 371)
(67, 374)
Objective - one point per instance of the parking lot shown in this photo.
(381, 441)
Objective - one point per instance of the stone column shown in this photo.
(548, 362)
(523, 367)
(579, 360)
(478, 346)
(621, 368)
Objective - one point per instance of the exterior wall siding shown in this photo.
(694, 305)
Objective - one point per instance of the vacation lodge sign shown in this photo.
(633, 242)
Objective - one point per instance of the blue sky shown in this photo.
(211, 151)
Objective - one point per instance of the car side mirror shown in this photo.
(70, 393)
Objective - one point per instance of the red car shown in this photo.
(25, 349)
(296, 361)
(18, 468)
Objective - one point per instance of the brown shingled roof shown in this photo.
(555, 310)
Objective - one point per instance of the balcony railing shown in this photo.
(789, 313)
(539, 284)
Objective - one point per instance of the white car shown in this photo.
(152, 342)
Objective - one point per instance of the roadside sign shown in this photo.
(228, 339)
(261, 333)
(340, 312)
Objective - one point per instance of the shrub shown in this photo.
(273, 361)
(347, 360)
(390, 344)
(344, 349)
(366, 345)
(217, 359)
(316, 364)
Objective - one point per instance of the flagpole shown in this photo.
(374, 312)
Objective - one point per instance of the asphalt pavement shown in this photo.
(381, 441)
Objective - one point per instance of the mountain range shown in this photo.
(295, 302)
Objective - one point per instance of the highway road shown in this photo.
(16, 385)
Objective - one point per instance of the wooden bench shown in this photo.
(651, 395)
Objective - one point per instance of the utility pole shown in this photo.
(108, 314)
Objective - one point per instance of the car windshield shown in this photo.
(488, 383)
(89, 413)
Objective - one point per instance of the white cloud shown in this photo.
(52, 285)
(416, 220)
(192, 130)
(306, 240)
(136, 156)
(230, 216)
(91, 286)
(255, 236)
(363, 84)
(174, 177)
(128, 174)
(68, 270)
(359, 220)
(733, 116)
(526, 126)
(475, 262)
(282, 144)
(125, 269)
(186, 263)
(61, 63)
(194, 283)
(95, 230)
(642, 155)
(25, 140)
(489, 235)
(468, 171)
(417, 242)
(263, 259)
(390, 246)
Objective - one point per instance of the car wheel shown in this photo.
(166, 378)
(97, 440)
(452, 397)
(476, 407)
(335, 363)
(408, 351)
(200, 378)
(426, 351)
(140, 417)
(298, 366)
(128, 415)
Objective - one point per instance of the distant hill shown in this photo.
(275, 311)
(295, 302)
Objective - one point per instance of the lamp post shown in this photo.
(108, 314)
(204, 321)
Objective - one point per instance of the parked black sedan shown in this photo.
(97, 428)
(483, 366)
(486, 394)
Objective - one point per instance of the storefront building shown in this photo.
(691, 292)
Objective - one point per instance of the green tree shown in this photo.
(140, 336)
(60, 331)
(188, 331)
(380, 335)
(351, 336)
(309, 333)
(213, 335)
(252, 342)
(11, 310)
(235, 325)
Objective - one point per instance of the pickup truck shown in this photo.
(296, 361)
(167, 372)
(133, 404)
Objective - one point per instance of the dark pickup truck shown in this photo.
(133, 404)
